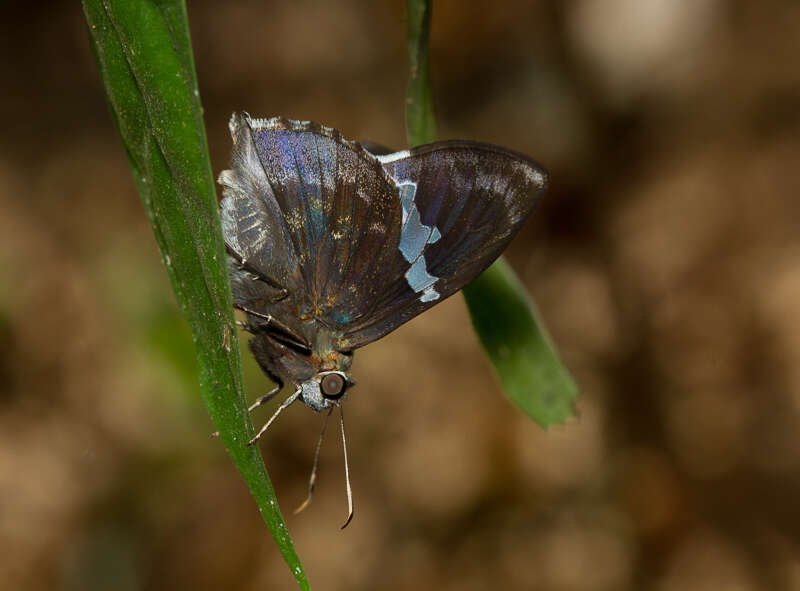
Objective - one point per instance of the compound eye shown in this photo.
(332, 386)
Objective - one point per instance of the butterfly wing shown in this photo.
(327, 237)
(462, 204)
(313, 214)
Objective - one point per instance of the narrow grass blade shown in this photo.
(145, 60)
(503, 316)
(420, 114)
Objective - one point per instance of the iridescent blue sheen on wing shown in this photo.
(340, 247)
(341, 210)
(335, 227)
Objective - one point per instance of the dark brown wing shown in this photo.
(324, 234)
(462, 203)
(312, 222)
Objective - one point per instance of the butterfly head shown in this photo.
(325, 389)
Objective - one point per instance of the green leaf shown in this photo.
(518, 345)
(145, 59)
(503, 316)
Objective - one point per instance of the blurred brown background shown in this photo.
(665, 261)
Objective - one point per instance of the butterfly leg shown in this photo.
(244, 266)
(284, 405)
(265, 398)
(272, 322)
(258, 402)
(281, 295)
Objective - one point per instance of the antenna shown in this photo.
(313, 480)
(346, 472)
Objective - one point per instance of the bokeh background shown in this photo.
(665, 260)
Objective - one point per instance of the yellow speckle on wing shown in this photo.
(294, 220)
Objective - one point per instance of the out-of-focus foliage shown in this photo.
(514, 338)
(664, 258)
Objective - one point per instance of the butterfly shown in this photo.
(331, 246)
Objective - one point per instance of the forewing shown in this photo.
(341, 213)
(462, 204)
